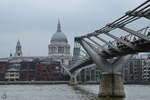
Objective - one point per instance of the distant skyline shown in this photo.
(33, 22)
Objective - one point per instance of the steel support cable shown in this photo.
(118, 19)
(104, 31)
(140, 6)
(82, 60)
(123, 23)
(83, 51)
(147, 11)
(95, 42)
(93, 45)
(127, 22)
(131, 21)
(131, 11)
(125, 18)
(140, 12)
(122, 41)
(100, 31)
(143, 8)
(100, 46)
(94, 48)
(144, 28)
(145, 31)
(108, 29)
(109, 44)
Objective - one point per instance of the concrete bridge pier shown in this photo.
(73, 81)
(111, 82)
(111, 85)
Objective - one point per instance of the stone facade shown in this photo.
(59, 49)
(133, 70)
(18, 52)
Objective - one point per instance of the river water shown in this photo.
(66, 92)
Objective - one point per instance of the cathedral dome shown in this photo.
(59, 36)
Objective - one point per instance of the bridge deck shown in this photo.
(141, 45)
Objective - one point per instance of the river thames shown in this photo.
(66, 92)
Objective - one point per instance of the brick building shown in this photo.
(3, 67)
(30, 69)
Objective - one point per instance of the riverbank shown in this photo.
(62, 82)
(31, 82)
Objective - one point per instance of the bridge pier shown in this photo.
(73, 81)
(111, 85)
(111, 82)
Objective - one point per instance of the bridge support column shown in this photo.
(73, 81)
(111, 85)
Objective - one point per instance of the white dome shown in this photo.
(59, 37)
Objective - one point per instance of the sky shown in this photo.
(33, 22)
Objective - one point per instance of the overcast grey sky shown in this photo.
(33, 22)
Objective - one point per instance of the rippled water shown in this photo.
(65, 92)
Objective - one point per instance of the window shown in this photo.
(53, 49)
(60, 49)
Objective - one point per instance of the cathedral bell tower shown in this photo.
(18, 52)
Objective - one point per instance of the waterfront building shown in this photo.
(13, 68)
(89, 75)
(3, 68)
(132, 71)
(146, 69)
(48, 68)
(30, 69)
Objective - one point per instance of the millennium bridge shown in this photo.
(108, 51)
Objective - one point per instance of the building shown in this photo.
(30, 69)
(3, 68)
(48, 68)
(89, 74)
(133, 70)
(59, 49)
(18, 52)
(13, 68)
(146, 72)
(146, 69)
